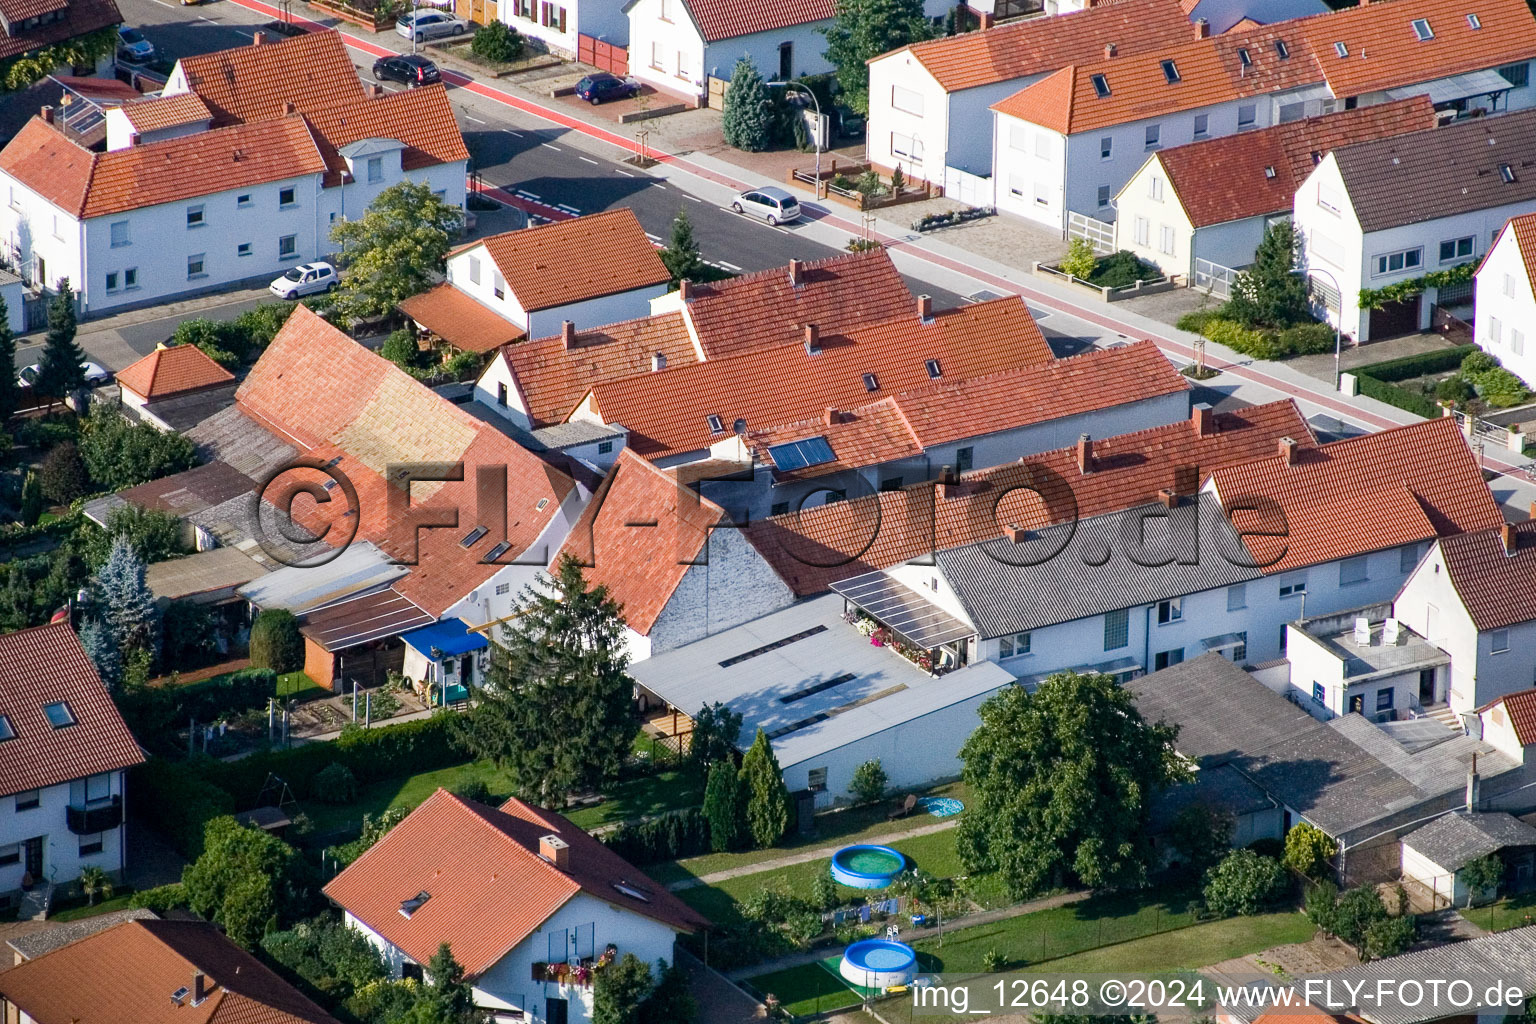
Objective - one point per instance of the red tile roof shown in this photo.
(727, 19)
(639, 536)
(173, 371)
(166, 112)
(667, 412)
(316, 388)
(944, 411)
(44, 665)
(80, 17)
(488, 888)
(15, 11)
(818, 546)
(759, 310)
(554, 379)
(459, 320)
(1358, 495)
(129, 971)
(1499, 590)
(1521, 708)
(1257, 173)
(1524, 227)
(1023, 48)
(89, 184)
(573, 260)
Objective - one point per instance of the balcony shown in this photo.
(98, 816)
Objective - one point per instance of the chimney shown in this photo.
(685, 290)
(1204, 419)
(794, 273)
(1511, 542)
(1474, 785)
(1018, 534)
(134, 138)
(831, 417)
(258, 37)
(985, 19)
(199, 987)
(925, 308)
(1533, 510)
(555, 850)
(949, 484)
(1084, 454)
(812, 339)
(375, 90)
(658, 361)
(289, 107)
(48, 115)
(568, 334)
(1109, 50)
(1168, 497)
(1287, 449)
(1202, 28)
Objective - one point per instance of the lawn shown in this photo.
(1510, 912)
(101, 907)
(300, 687)
(1199, 946)
(637, 798)
(814, 988)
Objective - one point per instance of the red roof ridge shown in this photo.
(1521, 705)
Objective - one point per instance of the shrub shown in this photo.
(1307, 339)
(1123, 269)
(994, 962)
(473, 789)
(63, 476)
(161, 899)
(1308, 850)
(334, 784)
(869, 183)
(1195, 320)
(1319, 904)
(186, 630)
(1081, 259)
(498, 42)
(665, 838)
(1396, 396)
(1478, 362)
(260, 324)
(373, 830)
(1419, 365)
(1454, 389)
(1500, 388)
(868, 783)
(335, 959)
(1355, 911)
(275, 641)
(400, 347)
(31, 499)
(1268, 847)
(1242, 884)
(824, 894)
(180, 800)
(120, 454)
(1389, 936)
(1240, 339)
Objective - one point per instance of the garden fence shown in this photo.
(1214, 279)
(1100, 233)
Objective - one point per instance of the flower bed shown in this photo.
(943, 220)
(377, 19)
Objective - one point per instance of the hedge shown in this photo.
(1419, 365)
(685, 834)
(1399, 397)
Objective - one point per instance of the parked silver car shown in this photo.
(430, 25)
(773, 204)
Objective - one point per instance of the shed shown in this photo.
(444, 658)
(1435, 855)
(208, 577)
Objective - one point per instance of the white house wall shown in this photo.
(483, 291)
(668, 54)
(1499, 733)
(1149, 196)
(498, 596)
(34, 229)
(488, 388)
(1429, 605)
(62, 860)
(930, 125)
(557, 41)
(1234, 243)
(605, 309)
(1419, 868)
(1513, 312)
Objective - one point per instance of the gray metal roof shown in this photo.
(808, 678)
(358, 570)
(1457, 840)
(903, 609)
(1103, 565)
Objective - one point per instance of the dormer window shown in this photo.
(1422, 30)
(1170, 72)
(1341, 49)
(1100, 86)
(1281, 50)
(715, 424)
(1474, 22)
(59, 716)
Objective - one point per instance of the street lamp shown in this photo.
(790, 87)
(1337, 324)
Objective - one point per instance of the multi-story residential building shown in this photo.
(1505, 297)
(1069, 142)
(64, 754)
(530, 904)
(1380, 213)
(273, 143)
(1211, 202)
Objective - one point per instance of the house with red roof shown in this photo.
(64, 756)
(168, 376)
(1505, 297)
(233, 174)
(531, 905)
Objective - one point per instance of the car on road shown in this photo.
(601, 87)
(423, 25)
(95, 374)
(410, 68)
(132, 46)
(773, 204)
(305, 279)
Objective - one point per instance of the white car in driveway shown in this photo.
(773, 204)
(95, 374)
(305, 279)
(424, 25)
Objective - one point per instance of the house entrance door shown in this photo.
(1426, 686)
(556, 1011)
(32, 857)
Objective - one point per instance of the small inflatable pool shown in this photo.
(878, 964)
(867, 867)
(941, 806)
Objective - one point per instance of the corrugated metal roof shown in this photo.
(383, 613)
(1095, 566)
(203, 572)
(357, 570)
(1456, 840)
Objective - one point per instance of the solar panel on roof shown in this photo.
(792, 455)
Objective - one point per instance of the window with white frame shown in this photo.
(816, 780)
(287, 247)
(1295, 588)
(908, 101)
(1155, 188)
(195, 216)
(29, 799)
(1327, 250)
(1422, 30)
(10, 855)
(1202, 125)
(907, 147)
(119, 229)
(1517, 75)
(1042, 146)
(1104, 196)
(1247, 115)
(131, 278)
(1498, 641)
(1117, 629)
(375, 170)
(287, 196)
(1013, 645)
(1509, 286)
(243, 249)
(658, 56)
(1165, 240)
(1017, 185)
(1018, 138)
(195, 266)
(1164, 659)
(498, 285)
(1397, 262)
(1329, 200)
(474, 269)
(1154, 135)
(1289, 112)
(1354, 570)
(243, 200)
(1171, 610)
(1385, 697)
(1516, 342)
(1143, 231)
(1042, 194)
(90, 845)
(1453, 249)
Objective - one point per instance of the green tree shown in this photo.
(862, 29)
(671, 1001)
(767, 800)
(497, 41)
(451, 995)
(1270, 293)
(101, 648)
(1081, 259)
(1243, 883)
(95, 882)
(716, 729)
(1482, 877)
(275, 641)
(186, 634)
(868, 783)
(1061, 783)
(1389, 936)
(723, 807)
(1308, 849)
(31, 495)
(619, 990)
(59, 373)
(556, 710)
(400, 347)
(1201, 835)
(154, 535)
(10, 394)
(63, 475)
(746, 121)
(121, 454)
(242, 879)
(395, 250)
(1355, 911)
(681, 256)
(126, 604)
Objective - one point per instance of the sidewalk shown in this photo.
(911, 935)
(820, 853)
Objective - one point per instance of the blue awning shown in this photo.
(450, 637)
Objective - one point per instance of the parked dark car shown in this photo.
(410, 68)
(601, 87)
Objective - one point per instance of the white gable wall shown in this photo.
(729, 584)
(590, 313)
(488, 390)
(1506, 308)
(475, 274)
(1429, 605)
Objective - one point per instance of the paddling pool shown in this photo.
(878, 963)
(867, 867)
